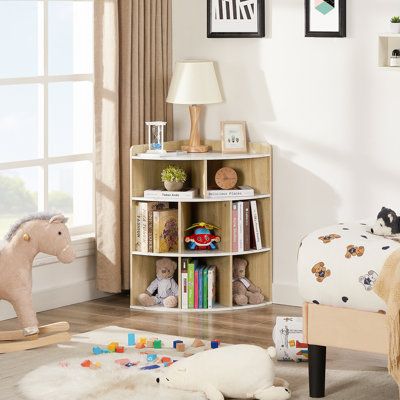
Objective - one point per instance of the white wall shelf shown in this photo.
(387, 43)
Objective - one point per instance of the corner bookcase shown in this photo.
(253, 169)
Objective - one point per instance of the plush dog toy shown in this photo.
(239, 372)
(387, 223)
(167, 288)
(244, 291)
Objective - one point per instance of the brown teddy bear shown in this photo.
(167, 288)
(320, 271)
(244, 291)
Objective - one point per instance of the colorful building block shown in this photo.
(140, 345)
(131, 339)
(166, 359)
(112, 346)
(151, 357)
(214, 344)
(95, 365)
(120, 349)
(180, 347)
(86, 364)
(97, 350)
(150, 343)
(143, 340)
(157, 344)
(197, 343)
(175, 342)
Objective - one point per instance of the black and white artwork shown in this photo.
(235, 18)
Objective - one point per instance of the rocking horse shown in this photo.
(41, 232)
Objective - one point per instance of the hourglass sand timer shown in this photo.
(156, 136)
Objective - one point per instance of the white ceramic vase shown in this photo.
(173, 186)
(395, 27)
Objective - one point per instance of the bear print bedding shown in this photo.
(338, 266)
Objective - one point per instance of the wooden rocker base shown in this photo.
(11, 341)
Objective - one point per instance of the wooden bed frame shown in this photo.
(339, 327)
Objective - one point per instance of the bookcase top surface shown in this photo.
(201, 156)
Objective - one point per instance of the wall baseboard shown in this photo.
(287, 294)
(57, 297)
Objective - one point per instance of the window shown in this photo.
(46, 110)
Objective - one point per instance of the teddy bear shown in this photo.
(164, 284)
(354, 251)
(320, 271)
(329, 238)
(244, 291)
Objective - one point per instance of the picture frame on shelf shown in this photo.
(325, 18)
(233, 137)
(235, 18)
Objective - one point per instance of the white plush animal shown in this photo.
(240, 371)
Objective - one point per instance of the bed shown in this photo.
(337, 268)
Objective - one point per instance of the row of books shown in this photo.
(198, 284)
(246, 232)
(156, 227)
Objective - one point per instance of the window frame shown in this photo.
(44, 79)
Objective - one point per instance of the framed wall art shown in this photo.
(235, 18)
(325, 18)
(233, 137)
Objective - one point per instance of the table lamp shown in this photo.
(194, 82)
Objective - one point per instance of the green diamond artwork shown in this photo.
(324, 6)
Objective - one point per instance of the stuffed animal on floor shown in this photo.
(387, 223)
(244, 291)
(41, 232)
(239, 372)
(164, 284)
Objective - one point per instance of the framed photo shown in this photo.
(233, 137)
(325, 18)
(235, 18)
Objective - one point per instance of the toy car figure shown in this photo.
(203, 237)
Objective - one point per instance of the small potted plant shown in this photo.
(173, 177)
(395, 24)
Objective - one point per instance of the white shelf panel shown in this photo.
(202, 253)
(389, 35)
(204, 156)
(202, 199)
(390, 68)
(216, 308)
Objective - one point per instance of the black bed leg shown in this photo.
(316, 370)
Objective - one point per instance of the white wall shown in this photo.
(330, 113)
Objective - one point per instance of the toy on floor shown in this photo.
(202, 237)
(167, 288)
(41, 232)
(387, 223)
(244, 291)
(239, 372)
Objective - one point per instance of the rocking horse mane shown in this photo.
(43, 216)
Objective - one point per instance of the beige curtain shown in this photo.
(132, 72)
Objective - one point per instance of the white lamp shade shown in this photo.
(194, 82)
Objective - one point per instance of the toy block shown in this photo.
(197, 343)
(150, 343)
(86, 363)
(140, 345)
(180, 347)
(214, 344)
(217, 340)
(166, 360)
(151, 357)
(112, 346)
(97, 350)
(96, 365)
(122, 361)
(143, 340)
(120, 349)
(157, 344)
(131, 339)
(175, 342)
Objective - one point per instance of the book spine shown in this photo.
(156, 236)
(184, 286)
(138, 228)
(205, 287)
(240, 226)
(150, 231)
(143, 227)
(246, 229)
(196, 288)
(211, 287)
(234, 227)
(191, 284)
(256, 225)
(201, 288)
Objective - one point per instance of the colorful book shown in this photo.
(255, 227)
(184, 285)
(240, 226)
(138, 229)
(212, 271)
(205, 287)
(147, 209)
(196, 288)
(167, 195)
(241, 191)
(190, 268)
(201, 287)
(234, 227)
(246, 227)
(165, 231)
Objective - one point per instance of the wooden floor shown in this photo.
(243, 326)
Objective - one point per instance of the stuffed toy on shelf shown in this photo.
(243, 290)
(164, 284)
(202, 237)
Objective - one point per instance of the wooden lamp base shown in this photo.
(194, 140)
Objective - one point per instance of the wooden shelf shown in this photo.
(254, 169)
(387, 43)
